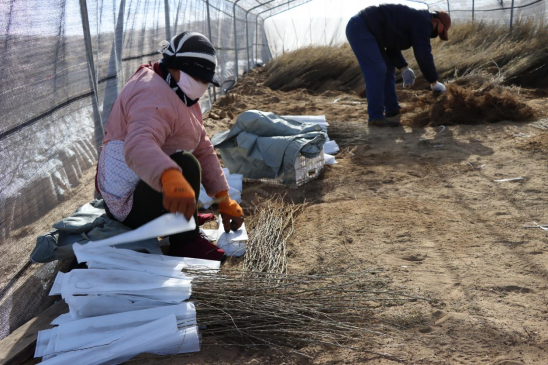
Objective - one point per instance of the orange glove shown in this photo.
(232, 214)
(178, 194)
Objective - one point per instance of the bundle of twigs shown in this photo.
(266, 249)
(285, 311)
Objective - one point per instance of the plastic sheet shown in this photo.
(211, 234)
(233, 242)
(235, 183)
(329, 159)
(122, 259)
(85, 282)
(184, 341)
(164, 225)
(121, 345)
(510, 179)
(63, 318)
(316, 119)
(331, 147)
(80, 333)
(84, 306)
(42, 342)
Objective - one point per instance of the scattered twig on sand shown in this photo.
(536, 225)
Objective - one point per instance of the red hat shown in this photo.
(445, 19)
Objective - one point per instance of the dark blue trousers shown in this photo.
(378, 71)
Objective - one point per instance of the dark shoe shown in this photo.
(204, 218)
(384, 123)
(198, 248)
(392, 114)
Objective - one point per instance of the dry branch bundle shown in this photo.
(272, 224)
(285, 311)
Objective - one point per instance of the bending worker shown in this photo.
(377, 36)
(156, 152)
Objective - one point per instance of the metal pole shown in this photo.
(473, 8)
(512, 15)
(168, 25)
(211, 40)
(87, 40)
(208, 21)
(247, 29)
(91, 69)
(119, 38)
(256, 40)
(448, 8)
(283, 11)
(247, 41)
(235, 42)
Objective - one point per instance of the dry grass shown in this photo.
(517, 58)
(315, 68)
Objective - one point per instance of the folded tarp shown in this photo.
(265, 145)
(88, 223)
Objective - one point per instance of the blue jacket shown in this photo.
(398, 27)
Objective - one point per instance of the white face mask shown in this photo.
(192, 88)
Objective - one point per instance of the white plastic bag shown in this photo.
(85, 282)
(121, 345)
(233, 242)
(331, 147)
(123, 259)
(164, 225)
(80, 333)
(84, 306)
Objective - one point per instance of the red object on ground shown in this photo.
(199, 248)
(204, 218)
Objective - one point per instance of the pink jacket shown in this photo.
(154, 123)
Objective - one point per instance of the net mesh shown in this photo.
(323, 22)
(492, 10)
(64, 63)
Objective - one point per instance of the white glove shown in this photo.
(439, 87)
(408, 77)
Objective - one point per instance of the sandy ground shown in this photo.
(422, 204)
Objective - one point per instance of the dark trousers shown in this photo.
(147, 202)
(378, 71)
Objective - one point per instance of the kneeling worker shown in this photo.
(156, 151)
(377, 36)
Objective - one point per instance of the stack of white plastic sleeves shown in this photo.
(126, 303)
